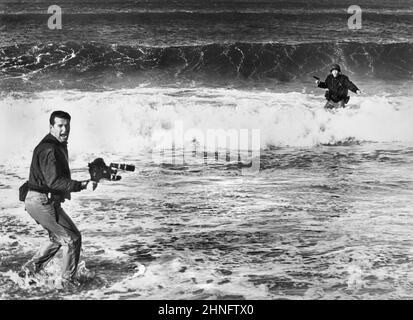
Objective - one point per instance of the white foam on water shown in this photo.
(123, 123)
(127, 122)
(163, 280)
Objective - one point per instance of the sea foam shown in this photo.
(128, 122)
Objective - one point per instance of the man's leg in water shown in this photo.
(61, 230)
(42, 258)
(73, 238)
(334, 105)
(330, 105)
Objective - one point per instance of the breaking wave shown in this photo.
(127, 122)
(100, 63)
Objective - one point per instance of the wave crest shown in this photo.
(207, 63)
(128, 122)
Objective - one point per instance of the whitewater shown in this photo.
(288, 201)
(126, 121)
(296, 229)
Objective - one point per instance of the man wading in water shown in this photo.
(338, 85)
(48, 186)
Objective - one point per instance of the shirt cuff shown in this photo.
(77, 186)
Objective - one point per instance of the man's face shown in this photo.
(335, 73)
(60, 129)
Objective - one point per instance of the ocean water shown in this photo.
(318, 206)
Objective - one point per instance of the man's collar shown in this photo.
(52, 139)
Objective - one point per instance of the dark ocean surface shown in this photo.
(124, 44)
(327, 213)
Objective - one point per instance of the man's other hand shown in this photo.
(89, 185)
(92, 185)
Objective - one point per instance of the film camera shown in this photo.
(99, 170)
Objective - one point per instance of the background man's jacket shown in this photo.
(337, 87)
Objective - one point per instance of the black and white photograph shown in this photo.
(206, 150)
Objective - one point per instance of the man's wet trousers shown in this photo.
(62, 231)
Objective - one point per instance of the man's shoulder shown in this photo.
(45, 146)
(43, 150)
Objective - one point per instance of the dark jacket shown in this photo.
(49, 170)
(337, 87)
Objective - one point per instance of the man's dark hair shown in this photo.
(59, 114)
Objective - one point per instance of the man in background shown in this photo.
(338, 85)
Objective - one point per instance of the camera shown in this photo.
(122, 166)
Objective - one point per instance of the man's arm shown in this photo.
(350, 85)
(322, 84)
(47, 163)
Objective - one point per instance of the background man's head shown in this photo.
(60, 125)
(335, 70)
